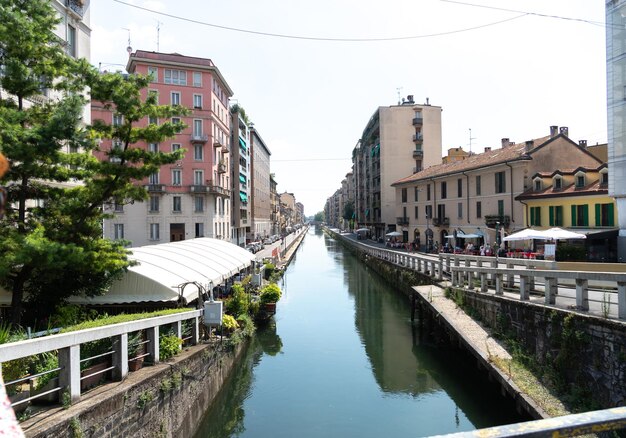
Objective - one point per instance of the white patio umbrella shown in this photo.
(526, 234)
(362, 230)
(394, 234)
(557, 233)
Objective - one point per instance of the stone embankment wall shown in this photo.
(165, 400)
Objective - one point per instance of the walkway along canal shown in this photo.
(343, 359)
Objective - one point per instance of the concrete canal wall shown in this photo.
(586, 353)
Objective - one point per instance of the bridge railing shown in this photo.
(68, 345)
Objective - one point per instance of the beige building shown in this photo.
(398, 140)
(287, 210)
(261, 203)
(477, 195)
(274, 205)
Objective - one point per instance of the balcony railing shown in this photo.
(418, 153)
(221, 168)
(198, 188)
(418, 121)
(418, 138)
(441, 221)
(215, 189)
(198, 138)
(402, 220)
(492, 220)
(155, 188)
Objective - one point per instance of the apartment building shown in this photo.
(240, 177)
(616, 111)
(190, 198)
(261, 203)
(299, 213)
(274, 206)
(477, 195)
(398, 140)
(287, 211)
(576, 199)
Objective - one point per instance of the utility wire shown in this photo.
(313, 159)
(311, 38)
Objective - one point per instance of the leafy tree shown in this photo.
(51, 244)
(348, 210)
(319, 216)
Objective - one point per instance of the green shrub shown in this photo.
(239, 302)
(45, 362)
(270, 293)
(169, 346)
(230, 323)
(269, 270)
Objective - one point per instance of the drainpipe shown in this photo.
(512, 200)
(467, 196)
(525, 212)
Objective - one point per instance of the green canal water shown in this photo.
(342, 359)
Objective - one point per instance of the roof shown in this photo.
(594, 188)
(478, 161)
(162, 268)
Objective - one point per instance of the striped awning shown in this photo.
(243, 197)
(242, 179)
(242, 144)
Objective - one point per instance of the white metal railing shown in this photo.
(68, 347)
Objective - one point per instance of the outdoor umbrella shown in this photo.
(394, 234)
(362, 230)
(527, 234)
(561, 234)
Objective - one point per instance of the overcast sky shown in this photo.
(311, 98)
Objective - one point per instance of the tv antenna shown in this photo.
(399, 90)
(129, 49)
(470, 140)
(158, 33)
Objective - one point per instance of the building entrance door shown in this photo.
(177, 232)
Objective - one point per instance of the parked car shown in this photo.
(268, 241)
(252, 248)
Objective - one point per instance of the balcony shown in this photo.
(199, 138)
(418, 138)
(418, 121)
(214, 189)
(492, 220)
(218, 145)
(155, 188)
(441, 221)
(418, 154)
(76, 6)
(402, 220)
(221, 167)
(196, 188)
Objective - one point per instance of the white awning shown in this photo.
(162, 268)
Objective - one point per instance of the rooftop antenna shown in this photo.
(470, 141)
(399, 90)
(129, 49)
(158, 33)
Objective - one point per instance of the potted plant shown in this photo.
(135, 349)
(270, 294)
(229, 323)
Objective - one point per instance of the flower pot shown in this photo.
(136, 364)
(47, 399)
(270, 308)
(91, 381)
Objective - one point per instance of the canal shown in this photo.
(343, 360)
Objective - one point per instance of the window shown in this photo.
(197, 127)
(198, 152)
(459, 187)
(416, 212)
(198, 204)
(404, 195)
(175, 120)
(416, 195)
(153, 147)
(176, 177)
(478, 189)
(197, 79)
(479, 209)
(154, 94)
(535, 216)
(153, 120)
(175, 98)
(197, 101)
(153, 72)
(429, 212)
(459, 210)
(558, 183)
(604, 178)
(175, 147)
(198, 177)
(71, 41)
(118, 231)
(580, 181)
(177, 204)
(500, 207)
(580, 215)
(404, 216)
(441, 211)
(199, 229)
(116, 150)
(428, 192)
(605, 215)
(154, 203)
(537, 185)
(175, 77)
(119, 208)
(154, 232)
(444, 190)
(555, 215)
(154, 178)
(118, 120)
(500, 182)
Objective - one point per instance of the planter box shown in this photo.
(92, 381)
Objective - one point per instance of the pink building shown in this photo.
(190, 198)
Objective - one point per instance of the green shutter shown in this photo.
(551, 215)
(538, 216)
(598, 215)
(532, 216)
(585, 215)
(611, 214)
(574, 220)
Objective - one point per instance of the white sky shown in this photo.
(310, 100)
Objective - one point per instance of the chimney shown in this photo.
(529, 145)
(505, 142)
(563, 130)
(410, 98)
(554, 131)
(582, 143)
(427, 101)
(487, 148)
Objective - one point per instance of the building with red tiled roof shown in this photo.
(476, 195)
